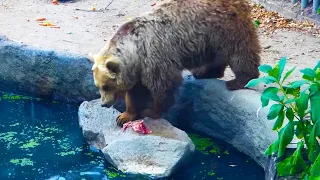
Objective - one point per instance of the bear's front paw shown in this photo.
(150, 113)
(125, 117)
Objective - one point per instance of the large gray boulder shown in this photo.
(233, 116)
(45, 73)
(155, 155)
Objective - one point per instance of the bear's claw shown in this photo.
(125, 117)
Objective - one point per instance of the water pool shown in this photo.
(41, 140)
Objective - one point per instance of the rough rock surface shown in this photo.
(156, 155)
(43, 73)
(233, 116)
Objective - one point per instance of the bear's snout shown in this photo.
(106, 105)
(107, 100)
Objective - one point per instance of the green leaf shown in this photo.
(314, 88)
(317, 66)
(305, 174)
(309, 126)
(302, 104)
(286, 136)
(283, 167)
(288, 74)
(307, 78)
(297, 84)
(272, 148)
(275, 109)
(292, 165)
(282, 64)
(290, 114)
(270, 79)
(315, 107)
(299, 130)
(298, 163)
(293, 91)
(315, 131)
(313, 177)
(275, 72)
(315, 167)
(265, 68)
(310, 73)
(271, 94)
(264, 101)
(256, 23)
(313, 145)
(279, 122)
(266, 80)
(318, 74)
(253, 82)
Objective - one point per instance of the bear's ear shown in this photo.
(122, 31)
(91, 57)
(125, 29)
(113, 66)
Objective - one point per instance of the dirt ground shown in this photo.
(83, 31)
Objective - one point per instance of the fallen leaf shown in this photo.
(41, 19)
(54, 26)
(47, 23)
(271, 21)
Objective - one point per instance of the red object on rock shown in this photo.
(137, 126)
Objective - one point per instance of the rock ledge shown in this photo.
(155, 155)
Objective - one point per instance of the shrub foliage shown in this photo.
(296, 113)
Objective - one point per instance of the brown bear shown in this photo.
(147, 54)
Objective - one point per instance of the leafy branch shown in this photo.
(301, 108)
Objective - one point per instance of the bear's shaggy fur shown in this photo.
(147, 54)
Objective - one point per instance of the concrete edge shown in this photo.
(58, 88)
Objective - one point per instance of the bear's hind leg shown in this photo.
(209, 71)
(245, 68)
(161, 103)
(155, 110)
(162, 87)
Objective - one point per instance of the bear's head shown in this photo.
(108, 69)
(107, 78)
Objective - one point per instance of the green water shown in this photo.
(41, 140)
